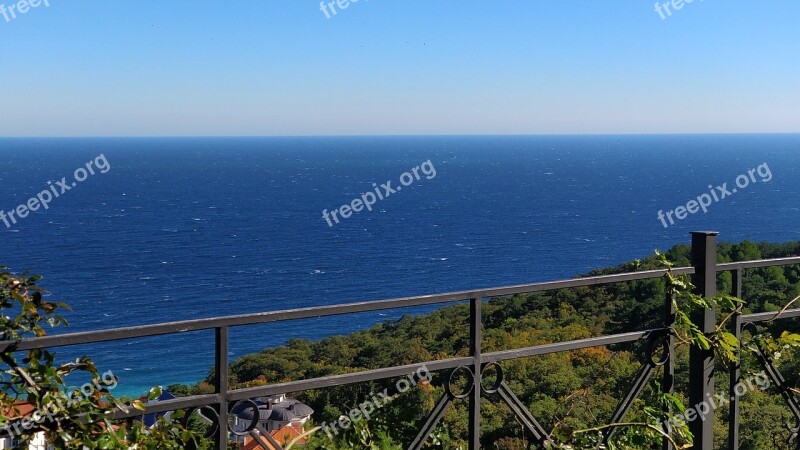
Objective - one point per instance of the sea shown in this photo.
(150, 230)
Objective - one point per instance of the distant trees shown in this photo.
(571, 390)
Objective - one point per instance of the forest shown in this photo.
(568, 390)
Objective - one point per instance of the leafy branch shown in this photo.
(70, 418)
(685, 303)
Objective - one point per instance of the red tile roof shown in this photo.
(282, 436)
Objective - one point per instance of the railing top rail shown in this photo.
(389, 372)
(91, 337)
(769, 316)
(724, 267)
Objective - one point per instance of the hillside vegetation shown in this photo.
(579, 388)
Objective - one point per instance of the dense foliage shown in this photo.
(36, 393)
(572, 390)
(569, 392)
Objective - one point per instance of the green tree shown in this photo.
(70, 418)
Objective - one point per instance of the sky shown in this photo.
(397, 67)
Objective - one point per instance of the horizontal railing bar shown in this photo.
(92, 337)
(769, 316)
(579, 344)
(381, 374)
(452, 363)
(758, 263)
(350, 378)
(194, 401)
(580, 282)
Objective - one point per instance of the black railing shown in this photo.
(701, 383)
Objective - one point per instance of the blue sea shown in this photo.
(190, 228)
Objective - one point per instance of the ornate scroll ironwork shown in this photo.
(253, 428)
(659, 340)
(780, 383)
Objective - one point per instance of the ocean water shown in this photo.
(189, 228)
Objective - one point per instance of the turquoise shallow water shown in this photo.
(187, 228)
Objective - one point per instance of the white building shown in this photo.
(38, 443)
(274, 413)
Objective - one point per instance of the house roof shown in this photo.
(20, 409)
(301, 410)
(280, 412)
(282, 415)
(245, 411)
(287, 403)
(282, 436)
(151, 419)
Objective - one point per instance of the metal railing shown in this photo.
(704, 274)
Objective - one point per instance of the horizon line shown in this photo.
(265, 136)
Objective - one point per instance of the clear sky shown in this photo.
(281, 67)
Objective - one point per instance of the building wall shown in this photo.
(38, 443)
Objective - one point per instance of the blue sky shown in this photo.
(280, 67)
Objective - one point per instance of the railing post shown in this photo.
(475, 323)
(701, 362)
(221, 385)
(736, 368)
(668, 381)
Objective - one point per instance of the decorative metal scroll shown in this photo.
(780, 383)
(642, 377)
(253, 428)
(537, 431)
